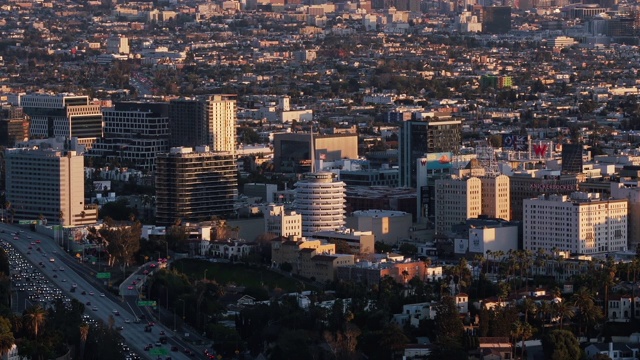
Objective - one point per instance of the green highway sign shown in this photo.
(103, 275)
(26, 222)
(158, 351)
(147, 303)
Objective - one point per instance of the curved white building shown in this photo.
(320, 201)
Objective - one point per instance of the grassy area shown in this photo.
(239, 274)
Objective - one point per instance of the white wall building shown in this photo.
(580, 224)
(502, 237)
(320, 199)
(387, 226)
(456, 201)
(280, 222)
(50, 183)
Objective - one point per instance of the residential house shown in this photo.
(614, 350)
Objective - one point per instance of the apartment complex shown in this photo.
(582, 223)
(47, 183)
(281, 222)
(209, 120)
(310, 258)
(495, 196)
(457, 199)
(320, 200)
(194, 184)
(134, 132)
(63, 115)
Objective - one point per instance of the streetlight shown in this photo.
(205, 274)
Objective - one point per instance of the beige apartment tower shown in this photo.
(220, 119)
(47, 183)
(457, 199)
(495, 196)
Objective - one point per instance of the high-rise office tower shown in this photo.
(496, 19)
(14, 125)
(209, 120)
(292, 152)
(418, 138)
(320, 200)
(194, 185)
(134, 132)
(63, 115)
(571, 158)
(48, 183)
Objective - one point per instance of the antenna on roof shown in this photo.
(313, 152)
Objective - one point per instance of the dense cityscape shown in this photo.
(288, 179)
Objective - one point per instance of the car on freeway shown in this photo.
(94, 308)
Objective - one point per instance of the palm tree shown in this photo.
(563, 310)
(528, 306)
(7, 206)
(84, 332)
(585, 304)
(489, 253)
(35, 318)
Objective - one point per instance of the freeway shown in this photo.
(87, 290)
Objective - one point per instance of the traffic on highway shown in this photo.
(42, 272)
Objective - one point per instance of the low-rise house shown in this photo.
(614, 350)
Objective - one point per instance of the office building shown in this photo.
(529, 184)
(292, 151)
(134, 133)
(571, 158)
(14, 126)
(581, 223)
(630, 192)
(359, 242)
(118, 45)
(496, 19)
(63, 115)
(457, 199)
(495, 196)
(47, 183)
(208, 120)
(321, 202)
(370, 177)
(387, 226)
(417, 138)
(281, 222)
(194, 185)
(477, 236)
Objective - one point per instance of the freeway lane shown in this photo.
(74, 273)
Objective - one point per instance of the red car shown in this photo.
(38, 241)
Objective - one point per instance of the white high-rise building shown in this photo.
(47, 183)
(579, 224)
(320, 199)
(495, 196)
(220, 120)
(280, 222)
(457, 199)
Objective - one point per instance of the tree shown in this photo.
(448, 325)
(6, 335)
(123, 242)
(84, 332)
(561, 345)
(35, 317)
(563, 310)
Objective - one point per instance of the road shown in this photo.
(101, 307)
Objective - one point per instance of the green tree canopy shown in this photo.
(561, 345)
